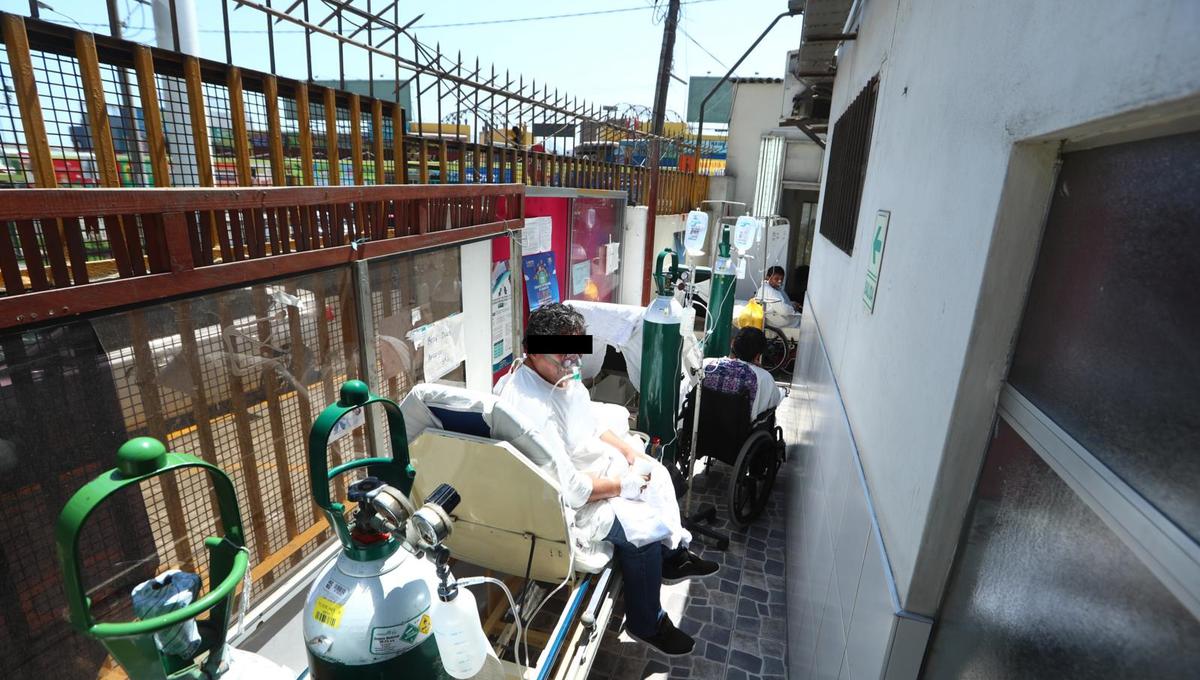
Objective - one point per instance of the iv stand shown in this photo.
(696, 523)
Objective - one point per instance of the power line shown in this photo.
(697, 43)
(487, 22)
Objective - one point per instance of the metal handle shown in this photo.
(223, 590)
(395, 471)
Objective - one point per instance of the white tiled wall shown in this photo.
(843, 619)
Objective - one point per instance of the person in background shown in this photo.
(632, 502)
(740, 373)
(778, 309)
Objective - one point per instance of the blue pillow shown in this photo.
(462, 422)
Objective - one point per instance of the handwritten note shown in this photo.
(444, 347)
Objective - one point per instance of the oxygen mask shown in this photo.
(572, 364)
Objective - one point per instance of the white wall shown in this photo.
(633, 254)
(967, 91)
(475, 263)
(755, 112)
(804, 162)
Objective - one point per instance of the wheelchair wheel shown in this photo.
(753, 477)
(775, 354)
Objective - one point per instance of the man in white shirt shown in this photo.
(778, 308)
(740, 372)
(642, 512)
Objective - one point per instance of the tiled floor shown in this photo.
(738, 616)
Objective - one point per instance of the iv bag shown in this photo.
(744, 232)
(694, 232)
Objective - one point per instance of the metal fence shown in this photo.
(89, 110)
(254, 340)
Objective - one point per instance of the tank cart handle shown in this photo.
(660, 278)
(138, 460)
(396, 471)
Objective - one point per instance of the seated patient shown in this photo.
(740, 372)
(633, 510)
(778, 308)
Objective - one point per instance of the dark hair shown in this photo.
(555, 319)
(772, 271)
(749, 343)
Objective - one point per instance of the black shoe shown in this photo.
(687, 564)
(668, 639)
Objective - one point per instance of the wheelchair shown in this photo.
(780, 352)
(754, 448)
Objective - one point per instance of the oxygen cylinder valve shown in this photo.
(357, 492)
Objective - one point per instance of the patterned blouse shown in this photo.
(731, 376)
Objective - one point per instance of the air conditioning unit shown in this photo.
(793, 87)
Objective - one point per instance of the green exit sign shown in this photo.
(875, 258)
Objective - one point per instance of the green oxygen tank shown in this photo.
(147, 649)
(662, 352)
(720, 300)
(368, 615)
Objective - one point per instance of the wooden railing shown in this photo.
(157, 243)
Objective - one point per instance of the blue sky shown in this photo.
(605, 58)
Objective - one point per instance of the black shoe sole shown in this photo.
(657, 649)
(681, 579)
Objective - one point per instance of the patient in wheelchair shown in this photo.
(632, 504)
(740, 372)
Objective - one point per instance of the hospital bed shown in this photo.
(512, 523)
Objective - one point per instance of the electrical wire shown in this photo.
(486, 22)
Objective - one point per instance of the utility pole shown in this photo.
(660, 110)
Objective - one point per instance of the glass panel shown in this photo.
(409, 292)
(60, 426)
(1043, 589)
(234, 377)
(1108, 343)
(596, 230)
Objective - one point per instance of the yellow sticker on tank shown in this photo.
(327, 612)
(426, 625)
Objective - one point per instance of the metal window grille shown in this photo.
(848, 151)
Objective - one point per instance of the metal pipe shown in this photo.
(704, 102)
(808, 131)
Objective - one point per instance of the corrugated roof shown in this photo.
(755, 80)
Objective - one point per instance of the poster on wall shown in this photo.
(502, 320)
(541, 284)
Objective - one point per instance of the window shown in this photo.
(848, 150)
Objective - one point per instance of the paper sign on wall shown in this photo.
(580, 274)
(875, 261)
(612, 257)
(444, 346)
(536, 236)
